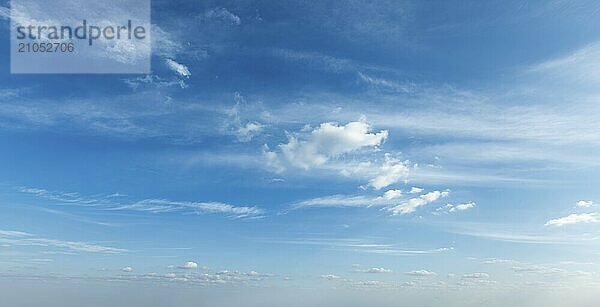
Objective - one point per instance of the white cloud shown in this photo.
(236, 123)
(328, 141)
(12, 233)
(585, 218)
(392, 194)
(181, 69)
(247, 132)
(253, 273)
(164, 44)
(388, 198)
(462, 207)
(190, 265)
(585, 203)
(18, 238)
(387, 85)
(572, 67)
(449, 208)
(476, 276)
(211, 278)
(343, 201)
(378, 270)
(146, 205)
(410, 206)
(272, 160)
(358, 245)
(154, 81)
(393, 200)
(223, 15)
(330, 277)
(127, 269)
(421, 273)
(499, 261)
(390, 172)
(415, 190)
(163, 205)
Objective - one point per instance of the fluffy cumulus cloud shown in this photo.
(411, 205)
(328, 141)
(190, 265)
(327, 148)
(421, 273)
(392, 194)
(390, 172)
(584, 218)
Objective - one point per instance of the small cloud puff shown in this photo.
(190, 265)
(378, 270)
(415, 190)
(392, 194)
(449, 208)
(421, 273)
(476, 276)
(585, 203)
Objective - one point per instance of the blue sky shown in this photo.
(405, 150)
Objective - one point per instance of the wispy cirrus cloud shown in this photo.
(113, 202)
(25, 239)
(163, 206)
(356, 245)
(411, 205)
(178, 68)
(394, 201)
(522, 234)
(390, 197)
